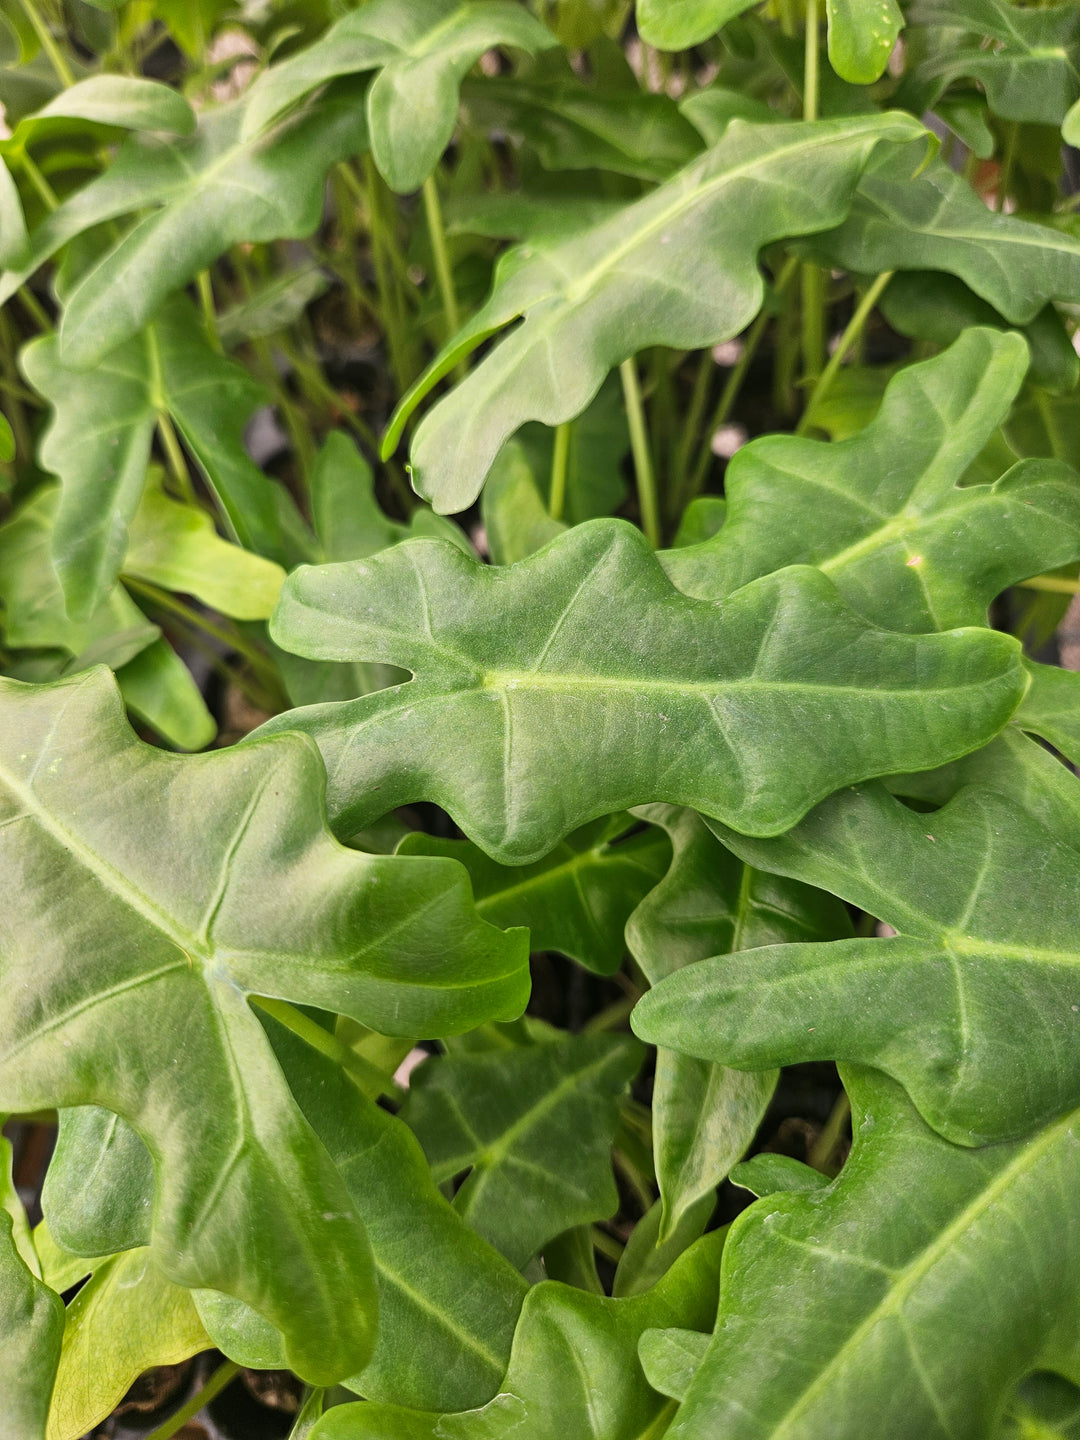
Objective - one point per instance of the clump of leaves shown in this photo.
(760, 748)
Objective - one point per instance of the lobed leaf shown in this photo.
(849, 1311)
(100, 438)
(534, 1127)
(580, 683)
(31, 1321)
(422, 52)
(203, 195)
(933, 220)
(979, 963)
(170, 940)
(704, 1115)
(662, 271)
(885, 513)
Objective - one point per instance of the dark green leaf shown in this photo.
(665, 697)
(979, 964)
(883, 513)
(663, 271)
(573, 1371)
(422, 52)
(849, 1312)
(577, 899)
(533, 1126)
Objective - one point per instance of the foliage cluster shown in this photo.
(765, 743)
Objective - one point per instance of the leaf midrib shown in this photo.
(924, 1262)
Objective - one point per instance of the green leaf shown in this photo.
(31, 1325)
(573, 1371)
(126, 1319)
(1025, 59)
(99, 1189)
(862, 34)
(751, 712)
(167, 955)
(663, 271)
(932, 306)
(533, 1126)
(203, 194)
(272, 307)
(947, 1006)
(681, 24)
(573, 126)
(647, 1257)
(7, 440)
(176, 546)
(1051, 708)
(933, 220)
(159, 688)
(848, 1312)
(772, 1174)
(577, 899)
(884, 514)
(13, 234)
(126, 101)
(102, 430)
(422, 51)
(710, 903)
(671, 1358)
(517, 521)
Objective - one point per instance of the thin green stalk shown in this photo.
(732, 387)
(613, 1016)
(34, 308)
(222, 1376)
(608, 1246)
(559, 466)
(639, 444)
(850, 335)
(56, 56)
(49, 197)
(1007, 161)
(443, 269)
(370, 1076)
(824, 1147)
(1055, 584)
(175, 456)
(391, 307)
(811, 62)
(230, 638)
(695, 415)
(206, 301)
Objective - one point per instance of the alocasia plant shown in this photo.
(736, 708)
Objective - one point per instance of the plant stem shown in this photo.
(639, 444)
(824, 1147)
(221, 1377)
(437, 235)
(734, 382)
(48, 195)
(35, 310)
(811, 62)
(234, 641)
(1056, 584)
(370, 1076)
(206, 301)
(175, 456)
(692, 426)
(559, 466)
(48, 44)
(608, 1246)
(850, 335)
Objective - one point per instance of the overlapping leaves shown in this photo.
(169, 940)
(663, 271)
(721, 709)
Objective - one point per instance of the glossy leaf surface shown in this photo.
(663, 271)
(978, 963)
(679, 24)
(862, 34)
(577, 899)
(422, 52)
(191, 948)
(533, 1126)
(701, 706)
(884, 514)
(709, 903)
(848, 1311)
